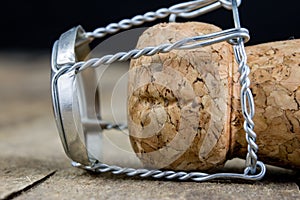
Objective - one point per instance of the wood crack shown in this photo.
(32, 185)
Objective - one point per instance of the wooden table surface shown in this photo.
(34, 166)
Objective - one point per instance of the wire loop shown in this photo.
(236, 36)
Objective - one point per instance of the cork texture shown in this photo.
(179, 101)
(161, 87)
(275, 72)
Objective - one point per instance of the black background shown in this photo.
(35, 25)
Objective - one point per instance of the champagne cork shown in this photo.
(184, 108)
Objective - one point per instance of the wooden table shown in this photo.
(34, 166)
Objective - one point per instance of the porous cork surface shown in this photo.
(275, 83)
(156, 104)
(179, 102)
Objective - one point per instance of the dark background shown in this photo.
(35, 25)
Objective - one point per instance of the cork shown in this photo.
(184, 107)
(275, 72)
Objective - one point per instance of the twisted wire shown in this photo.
(171, 175)
(207, 7)
(186, 10)
(128, 23)
(231, 35)
(187, 43)
(248, 108)
(235, 37)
